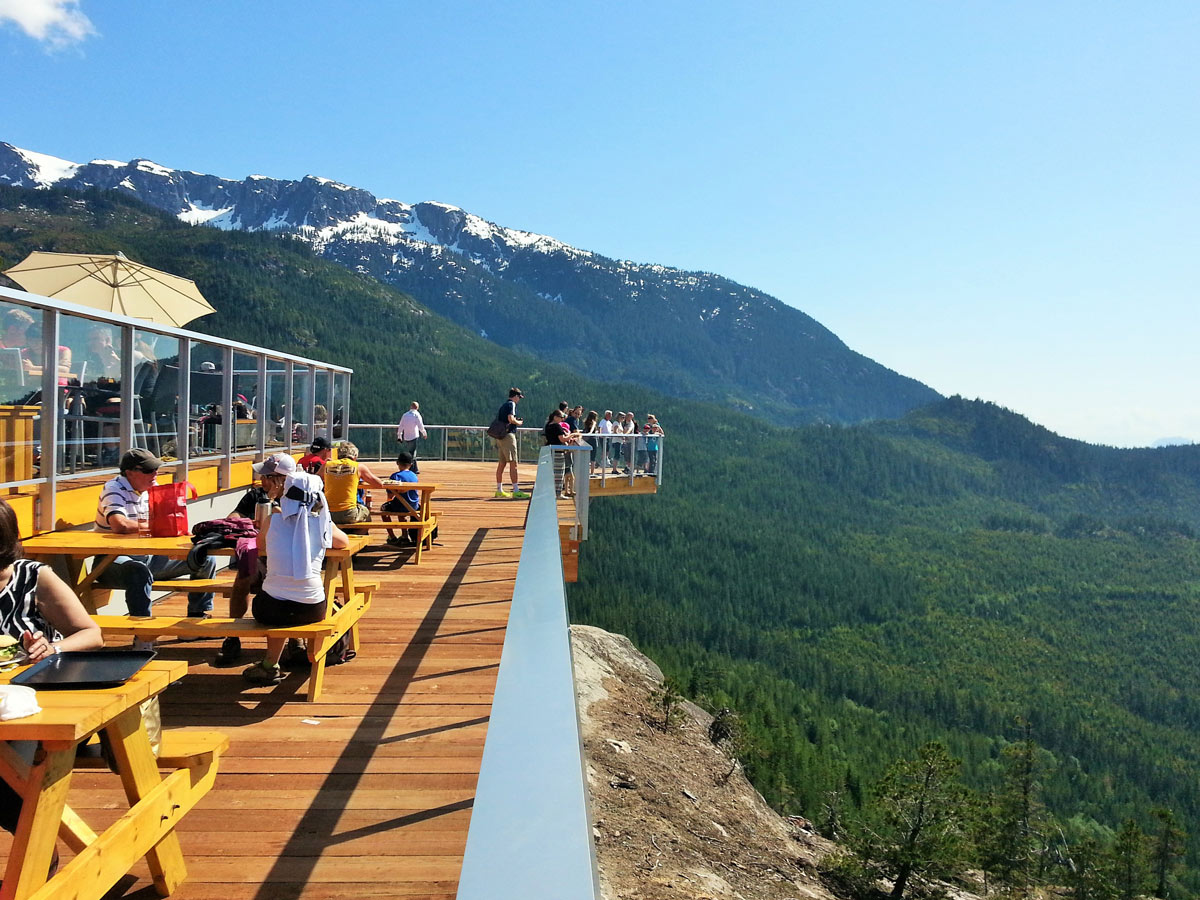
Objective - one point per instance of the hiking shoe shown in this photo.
(230, 652)
(294, 656)
(397, 541)
(502, 495)
(263, 674)
(519, 495)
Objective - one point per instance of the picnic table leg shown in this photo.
(75, 832)
(347, 572)
(316, 677)
(139, 774)
(45, 795)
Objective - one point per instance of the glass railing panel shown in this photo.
(156, 417)
(20, 392)
(244, 402)
(531, 826)
(302, 406)
(273, 410)
(206, 410)
(89, 357)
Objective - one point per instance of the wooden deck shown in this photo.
(368, 792)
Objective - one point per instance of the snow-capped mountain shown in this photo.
(693, 334)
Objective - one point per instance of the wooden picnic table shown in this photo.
(76, 546)
(157, 804)
(422, 519)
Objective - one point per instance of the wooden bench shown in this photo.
(319, 636)
(425, 520)
(177, 749)
(423, 527)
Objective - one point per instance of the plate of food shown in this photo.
(12, 654)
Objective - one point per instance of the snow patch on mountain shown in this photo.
(47, 169)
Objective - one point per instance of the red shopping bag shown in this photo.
(168, 508)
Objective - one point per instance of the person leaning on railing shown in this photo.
(39, 610)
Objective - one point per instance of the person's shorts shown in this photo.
(268, 610)
(349, 516)
(397, 506)
(507, 447)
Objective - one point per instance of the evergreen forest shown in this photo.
(958, 577)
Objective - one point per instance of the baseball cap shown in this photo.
(319, 444)
(279, 464)
(140, 460)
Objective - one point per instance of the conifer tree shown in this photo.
(1168, 848)
(1128, 863)
(920, 821)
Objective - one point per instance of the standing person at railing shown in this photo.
(506, 446)
(557, 434)
(409, 431)
(590, 425)
(653, 430)
(605, 428)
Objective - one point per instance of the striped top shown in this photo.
(18, 603)
(119, 496)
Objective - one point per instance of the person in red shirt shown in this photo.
(318, 454)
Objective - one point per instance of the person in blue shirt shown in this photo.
(403, 506)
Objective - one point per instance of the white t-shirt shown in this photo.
(296, 542)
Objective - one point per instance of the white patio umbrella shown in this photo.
(112, 283)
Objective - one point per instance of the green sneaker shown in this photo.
(519, 495)
(502, 495)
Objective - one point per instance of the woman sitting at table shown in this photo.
(294, 540)
(38, 609)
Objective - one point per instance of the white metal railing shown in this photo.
(531, 823)
(629, 456)
(121, 382)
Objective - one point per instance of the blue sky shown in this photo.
(997, 199)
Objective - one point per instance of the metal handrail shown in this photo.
(380, 445)
(531, 823)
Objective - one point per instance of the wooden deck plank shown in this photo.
(367, 793)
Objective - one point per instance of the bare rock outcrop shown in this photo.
(667, 823)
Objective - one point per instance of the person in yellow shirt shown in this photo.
(342, 477)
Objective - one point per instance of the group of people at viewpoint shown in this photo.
(295, 510)
(613, 442)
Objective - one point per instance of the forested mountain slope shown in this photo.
(689, 334)
(852, 591)
(857, 591)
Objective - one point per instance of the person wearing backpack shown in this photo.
(503, 432)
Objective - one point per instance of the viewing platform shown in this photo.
(443, 761)
(367, 792)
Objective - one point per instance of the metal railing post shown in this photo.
(183, 408)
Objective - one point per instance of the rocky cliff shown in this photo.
(667, 823)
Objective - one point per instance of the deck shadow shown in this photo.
(372, 729)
